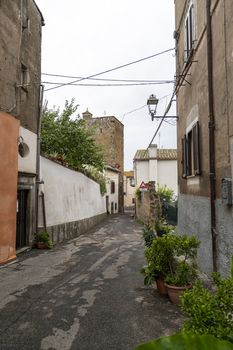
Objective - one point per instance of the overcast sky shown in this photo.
(85, 37)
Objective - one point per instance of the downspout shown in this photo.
(38, 154)
(212, 173)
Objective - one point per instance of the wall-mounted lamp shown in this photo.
(152, 104)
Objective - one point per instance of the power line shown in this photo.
(110, 70)
(105, 79)
(134, 110)
(116, 84)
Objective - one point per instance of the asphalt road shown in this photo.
(86, 294)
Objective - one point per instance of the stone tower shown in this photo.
(109, 133)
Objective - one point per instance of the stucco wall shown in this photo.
(70, 197)
(129, 192)
(194, 219)
(113, 197)
(27, 164)
(9, 129)
(167, 174)
(141, 170)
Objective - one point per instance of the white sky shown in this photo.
(85, 37)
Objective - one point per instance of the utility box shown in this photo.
(227, 191)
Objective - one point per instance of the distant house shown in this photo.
(112, 195)
(158, 165)
(129, 189)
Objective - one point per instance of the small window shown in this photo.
(191, 152)
(189, 33)
(115, 206)
(112, 187)
(24, 76)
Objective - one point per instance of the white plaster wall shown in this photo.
(167, 174)
(69, 195)
(141, 169)
(113, 197)
(28, 164)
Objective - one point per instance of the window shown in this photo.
(112, 187)
(24, 76)
(189, 32)
(191, 152)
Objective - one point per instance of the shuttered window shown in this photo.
(189, 32)
(191, 153)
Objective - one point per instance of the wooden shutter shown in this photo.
(196, 149)
(184, 157)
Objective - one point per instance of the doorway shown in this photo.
(21, 234)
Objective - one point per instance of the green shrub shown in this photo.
(148, 235)
(210, 312)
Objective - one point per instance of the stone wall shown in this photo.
(148, 206)
(20, 60)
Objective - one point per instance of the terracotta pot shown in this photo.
(42, 245)
(175, 292)
(162, 289)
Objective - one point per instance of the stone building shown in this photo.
(204, 90)
(109, 134)
(20, 69)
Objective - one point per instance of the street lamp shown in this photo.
(152, 104)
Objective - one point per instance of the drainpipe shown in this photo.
(212, 174)
(38, 154)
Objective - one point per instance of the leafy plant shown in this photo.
(44, 238)
(187, 342)
(183, 268)
(161, 227)
(150, 275)
(183, 274)
(161, 254)
(138, 194)
(210, 312)
(165, 194)
(148, 235)
(172, 257)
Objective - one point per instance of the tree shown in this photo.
(68, 140)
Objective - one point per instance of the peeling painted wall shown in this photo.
(9, 129)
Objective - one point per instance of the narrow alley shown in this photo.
(87, 294)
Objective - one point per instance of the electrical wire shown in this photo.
(105, 79)
(117, 84)
(111, 70)
(134, 110)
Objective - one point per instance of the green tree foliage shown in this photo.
(68, 140)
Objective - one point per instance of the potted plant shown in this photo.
(159, 256)
(43, 241)
(183, 270)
